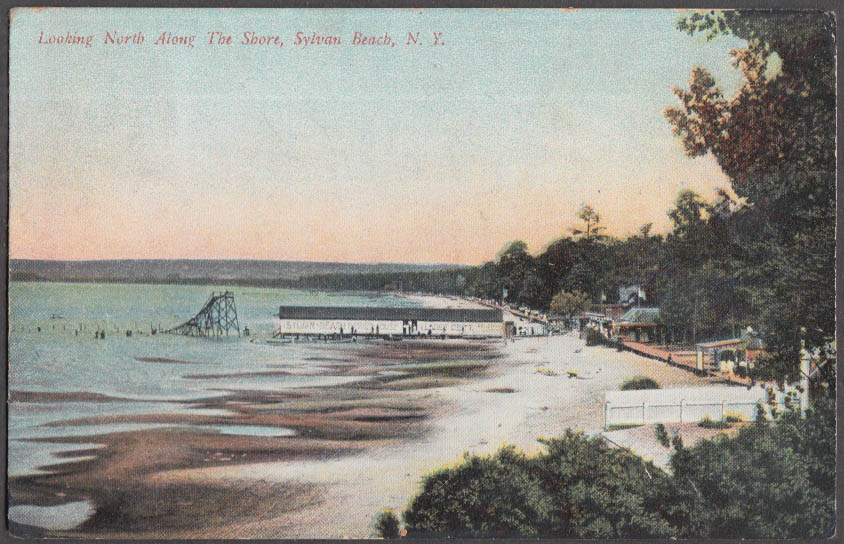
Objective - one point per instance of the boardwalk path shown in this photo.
(682, 359)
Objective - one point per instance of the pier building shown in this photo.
(374, 321)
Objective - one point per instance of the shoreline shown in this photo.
(359, 447)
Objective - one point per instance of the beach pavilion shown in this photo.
(640, 325)
(376, 321)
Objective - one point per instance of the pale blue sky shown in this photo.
(406, 153)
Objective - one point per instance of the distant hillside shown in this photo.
(199, 271)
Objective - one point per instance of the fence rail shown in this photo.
(680, 405)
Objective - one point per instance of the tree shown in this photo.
(514, 263)
(600, 492)
(700, 285)
(689, 248)
(638, 259)
(532, 289)
(592, 220)
(556, 262)
(514, 249)
(569, 304)
(689, 218)
(484, 496)
(591, 271)
(486, 283)
(387, 524)
(776, 141)
(578, 488)
(769, 481)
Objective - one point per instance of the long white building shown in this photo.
(363, 321)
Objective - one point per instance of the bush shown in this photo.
(593, 337)
(662, 435)
(387, 524)
(639, 382)
(484, 496)
(767, 481)
(708, 423)
(578, 488)
(733, 417)
(759, 414)
(623, 426)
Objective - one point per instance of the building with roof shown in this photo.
(375, 321)
(611, 311)
(727, 355)
(640, 325)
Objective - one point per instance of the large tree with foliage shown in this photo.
(688, 248)
(514, 265)
(770, 480)
(776, 141)
(568, 304)
(579, 488)
(700, 289)
(556, 262)
(638, 259)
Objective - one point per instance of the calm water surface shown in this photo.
(65, 357)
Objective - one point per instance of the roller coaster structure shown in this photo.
(218, 317)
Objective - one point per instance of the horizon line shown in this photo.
(231, 259)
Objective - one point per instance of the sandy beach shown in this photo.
(407, 409)
(474, 419)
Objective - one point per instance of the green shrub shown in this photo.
(733, 417)
(484, 496)
(768, 481)
(708, 423)
(639, 382)
(579, 487)
(593, 337)
(387, 524)
(759, 415)
(662, 435)
(622, 426)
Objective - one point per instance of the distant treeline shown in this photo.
(452, 281)
(195, 270)
(242, 282)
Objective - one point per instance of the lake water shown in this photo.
(65, 357)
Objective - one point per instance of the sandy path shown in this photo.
(474, 420)
(442, 301)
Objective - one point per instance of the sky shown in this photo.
(356, 153)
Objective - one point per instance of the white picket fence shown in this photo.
(690, 404)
